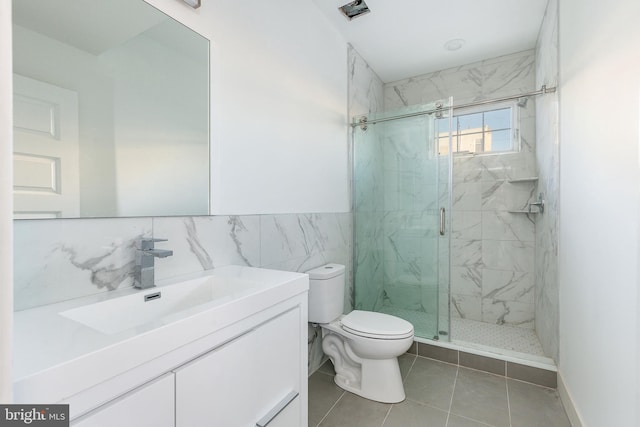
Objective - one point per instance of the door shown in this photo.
(46, 151)
(401, 216)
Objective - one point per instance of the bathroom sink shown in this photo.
(107, 336)
(158, 305)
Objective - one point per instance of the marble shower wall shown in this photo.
(366, 96)
(365, 87)
(547, 147)
(491, 78)
(411, 216)
(492, 250)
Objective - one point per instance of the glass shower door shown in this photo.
(401, 215)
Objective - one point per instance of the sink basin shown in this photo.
(159, 304)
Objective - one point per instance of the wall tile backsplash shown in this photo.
(492, 249)
(58, 260)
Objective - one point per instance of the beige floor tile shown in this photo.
(458, 421)
(327, 368)
(355, 411)
(431, 382)
(323, 394)
(535, 406)
(475, 399)
(482, 397)
(413, 414)
(406, 361)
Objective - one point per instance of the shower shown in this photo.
(445, 203)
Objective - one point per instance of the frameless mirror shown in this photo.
(111, 111)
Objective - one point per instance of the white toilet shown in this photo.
(364, 346)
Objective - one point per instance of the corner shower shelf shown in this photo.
(523, 211)
(528, 179)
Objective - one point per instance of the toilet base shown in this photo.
(380, 380)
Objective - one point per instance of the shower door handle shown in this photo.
(442, 221)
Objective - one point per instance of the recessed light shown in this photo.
(454, 44)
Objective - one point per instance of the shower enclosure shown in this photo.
(402, 203)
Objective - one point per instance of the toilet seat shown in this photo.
(381, 326)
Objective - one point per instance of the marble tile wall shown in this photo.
(57, 260)
(492, 250)
(547, 154)
(365, 97)
(411, 217)
(501, 76)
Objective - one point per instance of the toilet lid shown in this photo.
(376, 325)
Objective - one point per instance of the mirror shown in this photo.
(111, 111)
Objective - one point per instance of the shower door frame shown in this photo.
(437, 109)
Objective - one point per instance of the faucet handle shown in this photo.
(147, 243)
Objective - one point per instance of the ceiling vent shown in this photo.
(354, 9)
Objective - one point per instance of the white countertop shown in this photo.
(56, 357)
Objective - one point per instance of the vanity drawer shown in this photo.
(151, 405)
(254, 378)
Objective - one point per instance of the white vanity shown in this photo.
(226, 347)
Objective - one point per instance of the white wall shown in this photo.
(279, 96)
(6, 203)
(161, 127)
(599, 208)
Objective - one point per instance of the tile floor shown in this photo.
(503, 337)
(438, 395)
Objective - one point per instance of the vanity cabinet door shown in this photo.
(254, 378)
(151, 405)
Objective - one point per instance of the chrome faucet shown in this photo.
(143, 276)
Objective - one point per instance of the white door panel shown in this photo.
(46, 151)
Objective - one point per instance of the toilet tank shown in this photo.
(326, 293)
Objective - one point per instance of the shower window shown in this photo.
(480, 130)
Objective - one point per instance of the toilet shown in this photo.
(364, 346)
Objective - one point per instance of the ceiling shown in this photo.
(91, 26)
(401, 39)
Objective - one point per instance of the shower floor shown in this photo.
(502, 337)
(471, 333)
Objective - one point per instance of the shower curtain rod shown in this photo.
(363, 121)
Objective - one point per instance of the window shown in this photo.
(485, 129)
